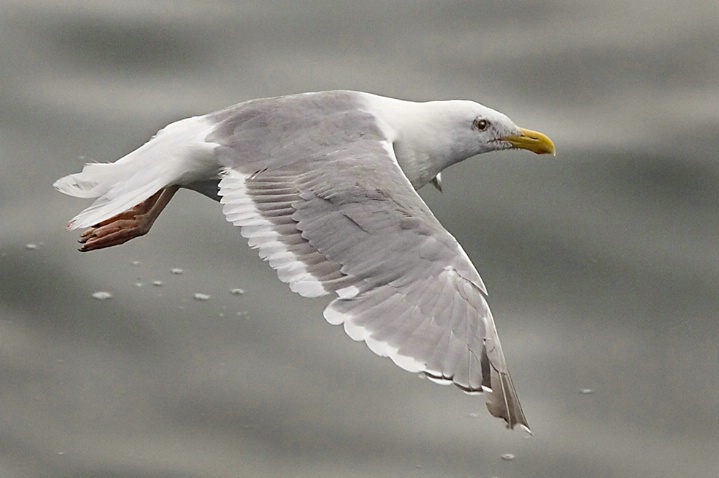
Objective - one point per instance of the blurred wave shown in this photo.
(602, 263)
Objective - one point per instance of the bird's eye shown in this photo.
(481, 124)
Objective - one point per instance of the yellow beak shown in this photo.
(532, 141)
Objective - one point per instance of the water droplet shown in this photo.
(101, 295)
(31, 247)
(237, 291)
(158, 283)
(586, 391)
(508, 456)
(177, 270)
(201, 296)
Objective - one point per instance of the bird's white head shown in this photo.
(477, 129)
(429, 137)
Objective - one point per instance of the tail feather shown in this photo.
(178, 154)
(113, 203)
(94, 180)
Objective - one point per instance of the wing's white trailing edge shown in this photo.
(240, 210)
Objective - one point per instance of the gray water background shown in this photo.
(602, 263)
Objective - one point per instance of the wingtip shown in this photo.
(502, 401)
(524, 427)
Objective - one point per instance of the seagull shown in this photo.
(324, 185)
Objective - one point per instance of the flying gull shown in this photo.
(323, 185)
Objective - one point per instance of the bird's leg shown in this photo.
(134, 222)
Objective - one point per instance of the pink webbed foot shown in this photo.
(127, 225)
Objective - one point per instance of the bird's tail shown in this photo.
(178, 154)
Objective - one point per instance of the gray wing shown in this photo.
(347, 221)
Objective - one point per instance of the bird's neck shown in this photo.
(422, 147)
